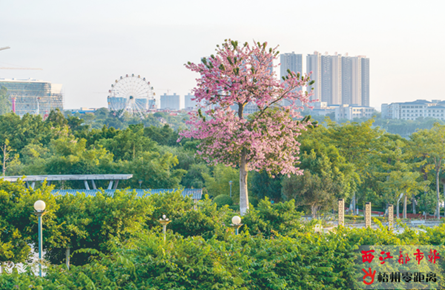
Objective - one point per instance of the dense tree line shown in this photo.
(354, 160)
(115, 240)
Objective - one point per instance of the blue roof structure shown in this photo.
(194, 193)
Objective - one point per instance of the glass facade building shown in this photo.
(33, 96)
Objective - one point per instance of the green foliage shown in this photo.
(56, 119)
(274, 250)
(164, 135)
(128, 144)
(194, 176)
(262, 185)
(222, 200)
(155, 170)
(102, 222)
(427, 201)
(320, 186)
(171, 204)
(306, 261)
(5, 102)
(18, 223)
(354, 159)
(71, 156)
(20, 132)
(116, 243)
(206, 221)
(269, 219)
(405, 128)
(219, 183)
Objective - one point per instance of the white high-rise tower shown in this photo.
(313, 64)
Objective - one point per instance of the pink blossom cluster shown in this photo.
(235, 76)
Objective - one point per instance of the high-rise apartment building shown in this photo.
(338, 79)
(190, 104)
(331, 79)
(355, 80)
(171, 102)
(292, 62)
(326, 79)
(365, 81)
(346, 80)
(313, 64)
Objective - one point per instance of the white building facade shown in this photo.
(413, 110)
(190, 104)
(171, 102)
(352, 112)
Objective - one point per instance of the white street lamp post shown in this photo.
(39, 206)
(236, 223)
(164, 222)
(230, 183)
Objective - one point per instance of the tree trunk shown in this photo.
(243, 195)
(67, 254)
(353, 205)
(414, 205)
(314, 211)
(444, 198)
(438, 193)
(404, 206)
(425, 178)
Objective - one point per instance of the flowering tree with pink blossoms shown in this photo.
(265, 140)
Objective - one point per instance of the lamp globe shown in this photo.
(39, 205)
(236, 220)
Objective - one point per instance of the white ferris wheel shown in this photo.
(131, 94)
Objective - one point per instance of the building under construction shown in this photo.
(32, 96)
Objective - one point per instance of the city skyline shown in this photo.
(155, 40)
(339, 79)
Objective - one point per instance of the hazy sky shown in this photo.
(86, 45)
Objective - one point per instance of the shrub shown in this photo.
(281, 217)
(206, 221)
(171, 204)
(235, 208)
(307, 261)
(253, 201)
(222, 200)
(274, 250)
